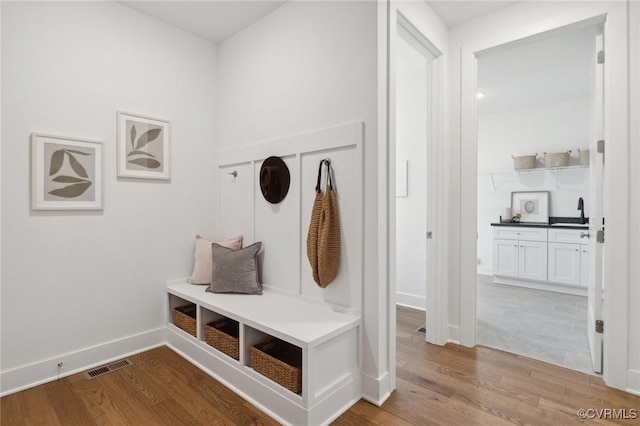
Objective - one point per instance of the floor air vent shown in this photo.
(100, 371)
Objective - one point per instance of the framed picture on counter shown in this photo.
(533, 206)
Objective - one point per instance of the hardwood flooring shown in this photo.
(449, 385)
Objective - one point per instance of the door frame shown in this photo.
(613, 16)
(416, 22)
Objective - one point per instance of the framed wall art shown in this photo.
(533, 206)
(143, 147)
(66, 173)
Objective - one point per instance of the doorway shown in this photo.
(417, 133)
(413, 146)
(537, 103)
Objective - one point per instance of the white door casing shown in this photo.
(616, 131)
(596, 175)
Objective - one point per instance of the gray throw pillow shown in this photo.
(235, 271)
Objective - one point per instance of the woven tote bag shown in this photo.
(323, 239)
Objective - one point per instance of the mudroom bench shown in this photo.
(325, 340)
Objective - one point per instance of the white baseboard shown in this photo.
(633, 382)
(558, 288)
(28, 376)
(411, 301)
(454, 334)
(484, 270)
(375, 390)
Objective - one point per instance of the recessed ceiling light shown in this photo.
(480, 95)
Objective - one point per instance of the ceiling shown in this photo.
(212, 20)
(540, 72)
(217, 20)
(454, 12)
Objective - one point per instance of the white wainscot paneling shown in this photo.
(236, 192)
(283, 227)
(275, 226)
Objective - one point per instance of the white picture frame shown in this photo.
(66, 173)
(144, 147)
(533, 206)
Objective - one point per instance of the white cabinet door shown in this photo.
(505, 258)
(532, 260)
(564, 263)
(584, 265)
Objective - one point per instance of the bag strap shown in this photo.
(329, 173)
(318, 190)
(327, 162)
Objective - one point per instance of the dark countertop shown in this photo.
(552, 220)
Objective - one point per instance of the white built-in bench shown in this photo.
(328, 339)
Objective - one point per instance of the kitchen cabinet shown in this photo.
(548, 258)
(584, 265)
(569, 257)
(505, 258)
(532, 260)
(564, 263)
(520, 252)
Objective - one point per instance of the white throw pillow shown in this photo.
(202, 267)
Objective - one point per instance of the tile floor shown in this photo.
(539, 324)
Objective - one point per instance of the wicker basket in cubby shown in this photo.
(223, 335)
(184, 317)
(279, 361)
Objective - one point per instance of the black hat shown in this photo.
(274, 179)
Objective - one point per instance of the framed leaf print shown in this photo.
(66, 173)
(143, 147)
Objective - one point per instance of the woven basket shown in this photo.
(223, 335)
(280, 362)
(184, 317)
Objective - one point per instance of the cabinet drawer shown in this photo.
(570, 236)
(520, 233)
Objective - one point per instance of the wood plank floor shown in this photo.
(449, 385)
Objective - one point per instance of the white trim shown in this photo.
(454, 334)
(28, 376)
(383, 340)
(633, 382)
(411, 301)
(616, 89)
(558, 288)
(319, 140)
(431, 27)
(376, 390)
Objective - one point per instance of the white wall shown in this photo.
(553, 128)
(521, 20)
(411, 147)
(557, 127)
(308, 66)
(73, 281)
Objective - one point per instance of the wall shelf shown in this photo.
(555, 170)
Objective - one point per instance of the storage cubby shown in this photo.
(278, 338)
(220, 332)
(280, 362)
(183, 314)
